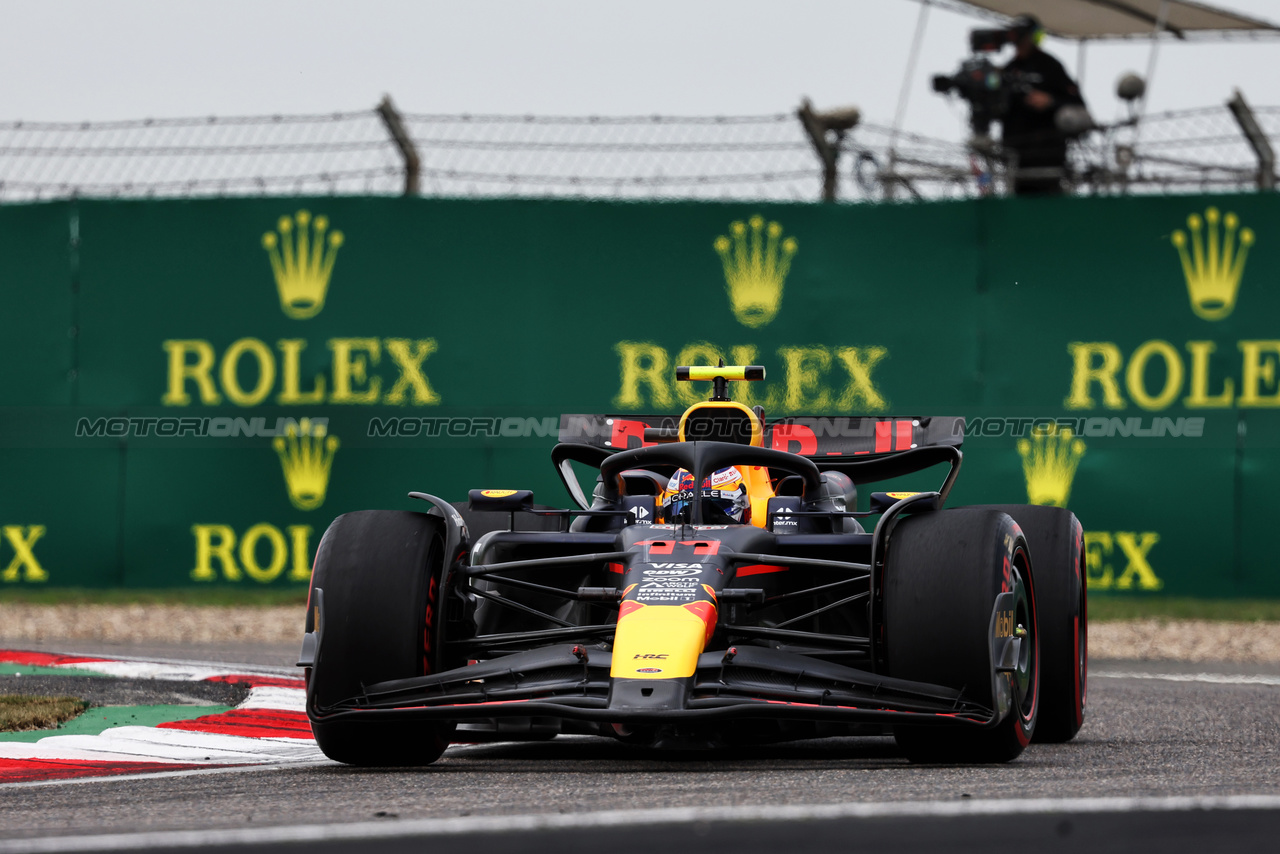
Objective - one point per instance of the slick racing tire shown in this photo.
(942, 576)
(380, 573)
(1056, 541)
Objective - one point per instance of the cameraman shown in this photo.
(1029, 133)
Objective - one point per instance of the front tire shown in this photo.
(380, 571)
(943, 574)
(1056, 541)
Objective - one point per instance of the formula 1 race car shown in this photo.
(720, 586)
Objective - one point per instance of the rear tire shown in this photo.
(380, 571)
(1056, 541)
(942, 576)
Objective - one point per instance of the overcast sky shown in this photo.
(168, 58)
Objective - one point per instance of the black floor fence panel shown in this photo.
(190, 391)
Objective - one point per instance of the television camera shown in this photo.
(987, 88)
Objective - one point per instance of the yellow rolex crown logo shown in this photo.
(306, 455)
(1049, 460)
(302, 252)
(756, 262)
(1214, 262)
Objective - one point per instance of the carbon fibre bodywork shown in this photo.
(615, 625)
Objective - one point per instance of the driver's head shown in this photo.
(723, 495)
(1026, 33)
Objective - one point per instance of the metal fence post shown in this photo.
(1257, 140)
(816, 125)
(404, 142)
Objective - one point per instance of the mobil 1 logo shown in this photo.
(670, 583)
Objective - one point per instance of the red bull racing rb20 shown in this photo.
(718, 585)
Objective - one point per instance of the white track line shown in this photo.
(177, 671)
(315, 759)
(165, 775)
(277, 699)
(176, 745)
(177, 663)
(1209, 678)
(149, 670)
(626, 818)
(67, 753)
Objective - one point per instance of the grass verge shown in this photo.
(196, 596)
(1104, 608)
(23, 713)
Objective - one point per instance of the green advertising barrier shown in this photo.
(38, 284)
(242, 370)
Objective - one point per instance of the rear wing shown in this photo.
(825, 439)
(867, 449)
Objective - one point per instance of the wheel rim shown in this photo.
(1082, 645)
(1023, 679)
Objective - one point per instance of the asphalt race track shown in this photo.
(1173, 757)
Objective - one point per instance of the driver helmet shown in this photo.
(723, 493)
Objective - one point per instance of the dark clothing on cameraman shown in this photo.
(1030, 135)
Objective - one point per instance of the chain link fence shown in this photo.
(761, 157)
(338, 153)
(1184, 151)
